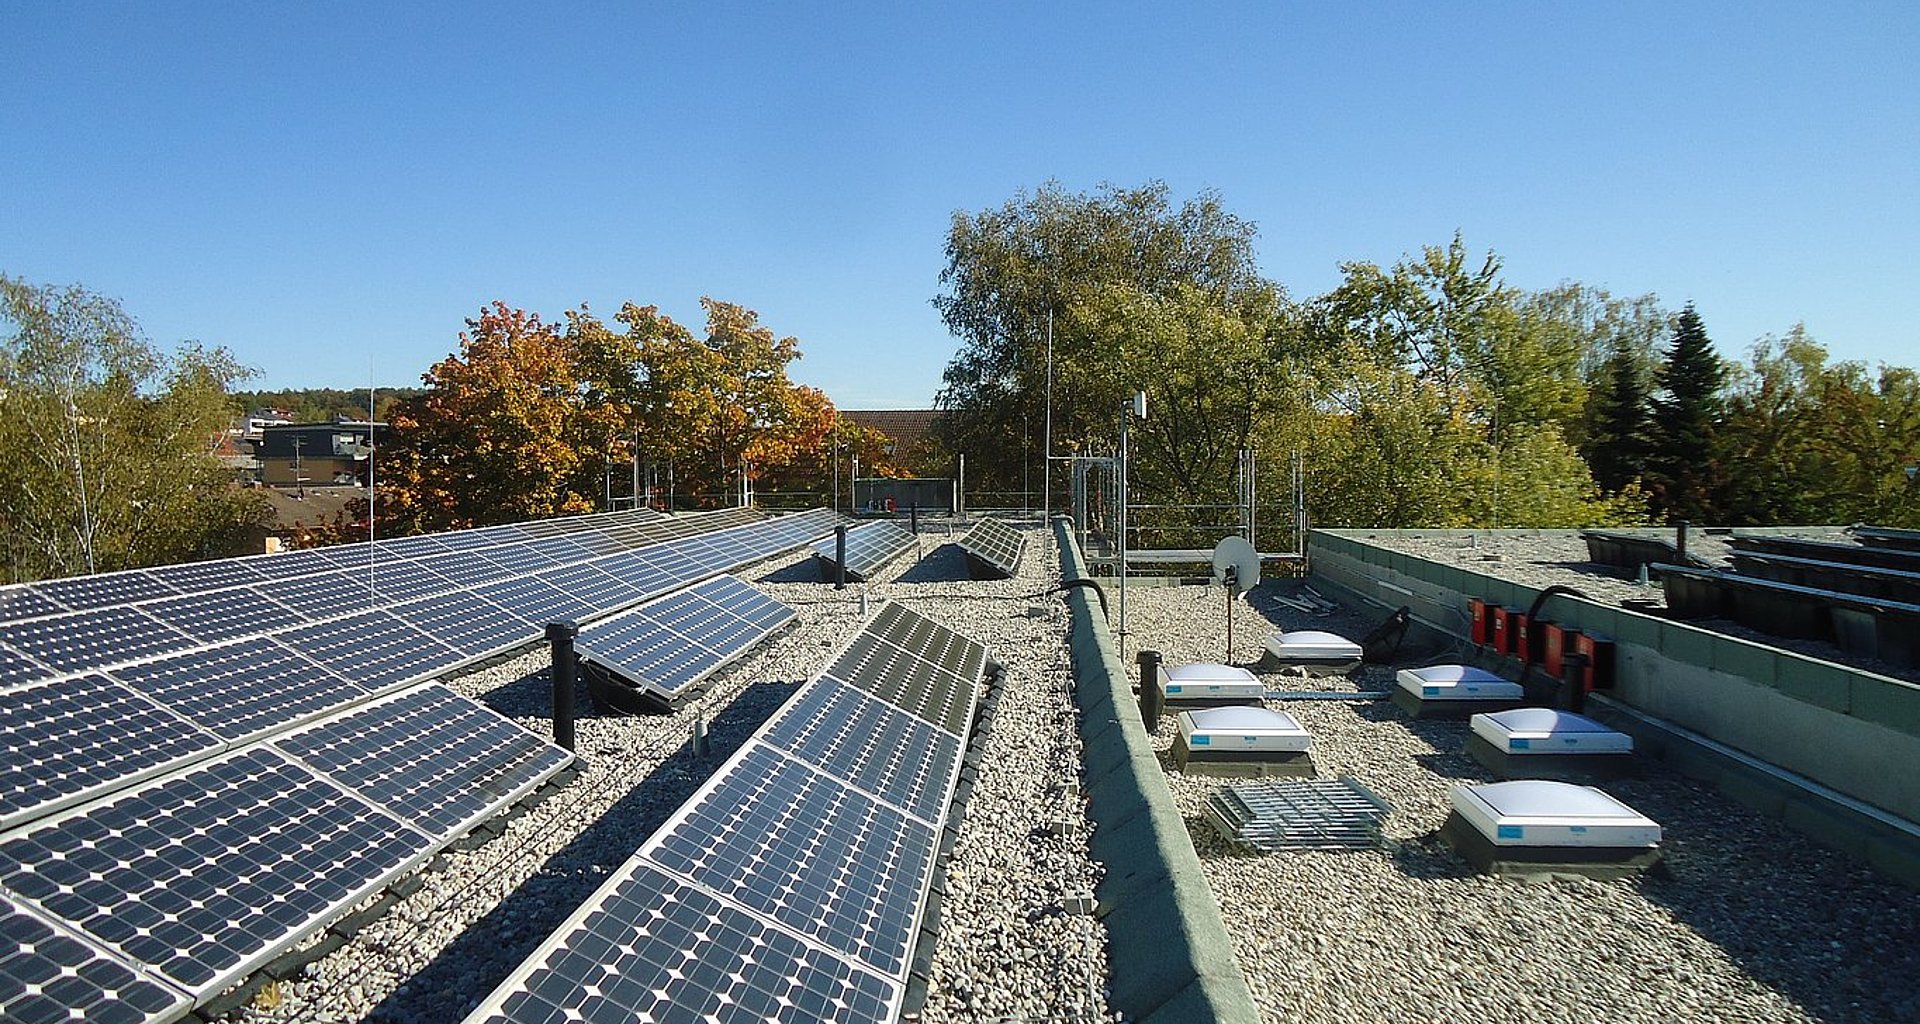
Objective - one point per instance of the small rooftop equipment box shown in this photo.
(1242, 741)
(1543, 743)
(1533, 826)
(1210, 684)
(1453, 691)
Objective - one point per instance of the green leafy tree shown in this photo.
(1139, 294)
(1683, 472)
(110, 441)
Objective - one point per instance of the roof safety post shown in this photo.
(560, 636)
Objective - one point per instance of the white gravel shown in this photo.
(1747, 921)
(1007, 949)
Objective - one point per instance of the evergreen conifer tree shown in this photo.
(1683, 468)
(1617, 444)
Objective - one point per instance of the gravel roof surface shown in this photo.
(1746, 920)
(1006, 949)
(1542, 558)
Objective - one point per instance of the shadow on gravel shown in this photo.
(807, 570)
(1823, 929)
(530, 696)
(943, 564)
(491, 947)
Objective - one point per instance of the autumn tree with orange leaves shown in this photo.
(507, 430)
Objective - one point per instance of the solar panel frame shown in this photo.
(181, 873)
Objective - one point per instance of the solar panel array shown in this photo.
(791, 886)
(666, 647)
(995, 547)
(869, 548)
(239, 752)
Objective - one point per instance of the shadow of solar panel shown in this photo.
(871, 745)
(48, 976)
(20, 602)
(905, 681)
(432, 758)
(650, 947)
(468, 624)
(812, 854)
(203, 876)
(78, 641)
(373, 649)
(995, 546)
(198, 577)
(242, 689)
(213, 616)
(99, 591)
(71, 738)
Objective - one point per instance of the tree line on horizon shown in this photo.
(1429, 393)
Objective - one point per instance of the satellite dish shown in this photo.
(1236, 564)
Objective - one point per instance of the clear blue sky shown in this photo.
(321, 186)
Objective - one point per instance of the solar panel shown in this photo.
(204, 876)
(468, 624)
(216, 615)
(102, 590)
(871, 745)
(49, 976)
(869, 548)
(670, 644)
(535, 601)
(430, 757)
(994, 546)
(322, 594)
(639, 573)
(808, 852)
(18, 668)
(20, 602)
(906, 681)
(78, 641)
(70, 738)
(196, 577)
(283, 564)
(518, 559)
(651, 947)
(926, 639)
(242, 689)
(373, 649)
(591, 585)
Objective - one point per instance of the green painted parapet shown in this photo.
(1168, 954)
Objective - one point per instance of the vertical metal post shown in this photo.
(1046, 464)
(1680, 540)
(1150, 695)
(1126, 416)
(560, 637)
(913, 516)
(960, 490)
(840, 557)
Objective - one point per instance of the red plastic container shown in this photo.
(1599, 651)
(1477, 611)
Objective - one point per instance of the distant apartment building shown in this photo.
(318, 454)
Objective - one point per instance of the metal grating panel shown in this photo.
(203, 876)
(430, 757)
(49, 976)
(1311, 814)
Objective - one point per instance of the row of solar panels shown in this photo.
(653, 657)
(232, 799)
(870, 547)
(791, 886)
(73, 737)
(993, 548)
(142, 905)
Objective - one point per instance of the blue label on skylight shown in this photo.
(1175, 688)
(1201, 741)
(1511, 831)
(1429, 691)
(1519, 744)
